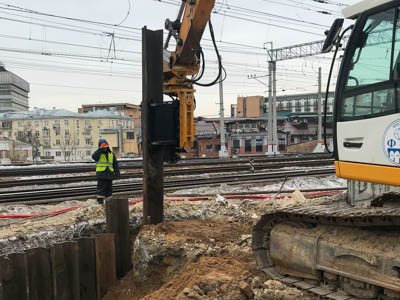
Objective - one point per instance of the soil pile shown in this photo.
(198, 259)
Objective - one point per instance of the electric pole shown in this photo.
(319, 147)
(274, 114)
(270, 109)
(223, 151)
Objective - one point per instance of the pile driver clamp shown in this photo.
(182, 66)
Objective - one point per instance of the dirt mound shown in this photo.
(205, 231)
(209, 277)
(223, 279)
(198, 259)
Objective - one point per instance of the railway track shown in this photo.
(46, 194)
(170, 172)
(136, 165)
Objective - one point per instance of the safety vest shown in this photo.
(102, 164)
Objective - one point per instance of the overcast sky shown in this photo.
(68, 63)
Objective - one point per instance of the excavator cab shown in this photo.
(366, 110)
(348, 247)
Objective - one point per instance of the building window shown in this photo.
(67, 141)
(46, 123)
(58, 153)
(247, 145)
(88, 142)
(29, 123)
(26, 153)
(77, 123)
(130, 135)
(77, 142)
(87, 132)
(36, 123)
(46, 142)
(100, 122)
(57, 123)
(88, 153)
(209, 148)
(236, 146)
(298, 106)
(66, 132)
(58, 142)
(46, 132)
(67, 153)
(37, 133)
(19, 124)
(307, 105)
(47, 153)
(66, 122)
(57, 131)
(282, 144)
(217, 147)
(259, 145)
(87, 123)
(20, 134)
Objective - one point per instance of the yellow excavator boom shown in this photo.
(187, 30)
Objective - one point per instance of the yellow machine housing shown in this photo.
(182, 62)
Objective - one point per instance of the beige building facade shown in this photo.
(61, 135)
(12, 151)
(250, 107)
(128, 109)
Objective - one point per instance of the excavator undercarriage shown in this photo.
(334, 251)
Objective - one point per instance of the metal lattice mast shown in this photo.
(299, 50)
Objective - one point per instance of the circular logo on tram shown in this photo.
(391, 142)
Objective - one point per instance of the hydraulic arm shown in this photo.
(184, 61)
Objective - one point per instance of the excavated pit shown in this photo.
(202, 251)
(198, 259)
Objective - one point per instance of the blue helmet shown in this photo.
(101, 141)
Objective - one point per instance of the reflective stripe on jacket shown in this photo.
(103, 164)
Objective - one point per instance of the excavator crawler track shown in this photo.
(313, 248)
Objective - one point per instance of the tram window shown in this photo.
(369, 104)
(371, 60)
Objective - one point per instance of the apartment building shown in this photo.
(62, 135)
(257, 106)
(128, 109)
(13, 91)
(249, 107)
(301, 103)
(12, 151)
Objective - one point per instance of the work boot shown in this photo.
(100, 201)
(108, 199)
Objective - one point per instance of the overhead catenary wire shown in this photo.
(251, 20)
(309, 7)
(117, 36)
(18, 8)
(235, 69)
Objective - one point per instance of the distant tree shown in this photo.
(29, 136)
